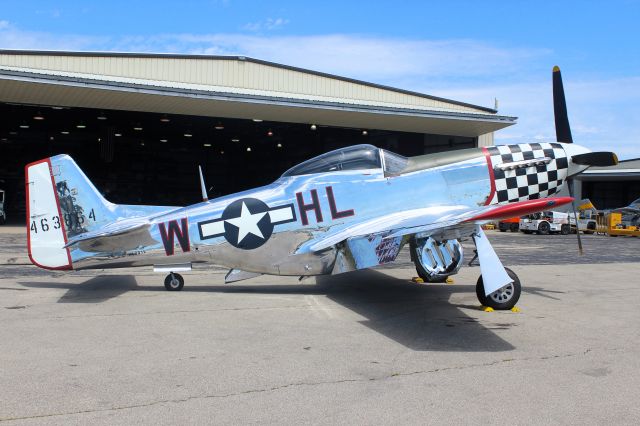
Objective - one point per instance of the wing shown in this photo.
(457, 218)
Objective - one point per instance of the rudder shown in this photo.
(46, 235)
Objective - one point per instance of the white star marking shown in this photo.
(247, 223)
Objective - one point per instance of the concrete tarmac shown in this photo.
(369, 347)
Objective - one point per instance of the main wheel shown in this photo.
(544, 228)
(174, 282)
(419, 268)
(514, 227)
(504, 298)
(564, 229)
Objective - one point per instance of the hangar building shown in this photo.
(140, 124)
(611, 187)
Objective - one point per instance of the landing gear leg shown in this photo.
(497, 287)
(174, 282)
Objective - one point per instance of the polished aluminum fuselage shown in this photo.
(327, 222)
(368, 193)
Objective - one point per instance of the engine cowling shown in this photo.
(436, 260)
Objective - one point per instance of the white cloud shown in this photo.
(268, 24)
(15, 38)
(603, 112)
(375, 58)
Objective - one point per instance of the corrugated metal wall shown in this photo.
(232, 73)
(486, 139)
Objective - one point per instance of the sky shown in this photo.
(470, 51)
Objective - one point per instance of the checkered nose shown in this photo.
(527, 171)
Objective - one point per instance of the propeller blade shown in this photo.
(563, 131)
(600, 159)
(575, 215)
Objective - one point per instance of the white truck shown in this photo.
(544, 223)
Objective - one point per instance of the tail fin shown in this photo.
(62, 204)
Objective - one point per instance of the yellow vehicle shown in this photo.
(616, 226)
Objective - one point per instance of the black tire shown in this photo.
(565, 229)
(2, 220)
(174, 282)
(544, 228)
(425, 277)
(502, 299)
(514, 227)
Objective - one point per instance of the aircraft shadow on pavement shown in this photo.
(94, 290)
(419, 317)
(542, 292)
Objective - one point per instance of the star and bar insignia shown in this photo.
(247, 223)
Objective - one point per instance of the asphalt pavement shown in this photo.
(370, 347)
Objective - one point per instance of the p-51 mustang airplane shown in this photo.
(348, 209)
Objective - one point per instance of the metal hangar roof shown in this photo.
(230, 86)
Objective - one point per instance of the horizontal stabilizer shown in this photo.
(119, 236)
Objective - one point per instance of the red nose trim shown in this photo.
(521, 208)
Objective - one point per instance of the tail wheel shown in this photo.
(504, 298)
(544, 228)
(174, 282)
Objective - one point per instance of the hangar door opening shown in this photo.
(150, 158)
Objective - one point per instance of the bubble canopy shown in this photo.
(357, 157)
